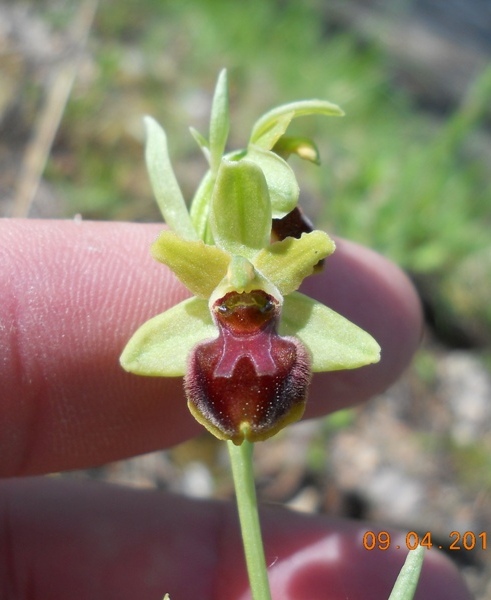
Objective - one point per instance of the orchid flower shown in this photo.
(247, 341)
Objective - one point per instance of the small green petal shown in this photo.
(288, 262)
(303, 147)
(260, 132)
(334, 342)
(241, 209)
(200, 267)
(282, 183)
(161, 346)
(219, 121)
(164, 183)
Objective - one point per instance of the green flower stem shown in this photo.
(241, 460)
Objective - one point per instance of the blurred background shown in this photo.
(407, 171)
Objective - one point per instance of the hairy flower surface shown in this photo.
(247, 342)
(249, 381)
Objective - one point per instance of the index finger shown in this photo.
(72, 295)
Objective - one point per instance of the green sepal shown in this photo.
(161, 346)
(269, 122)
(289, 262)
(219, 121)
(303, 147)
(164, 183)
(200, 267)
(240, 214)
(333, 342)
(282, 184)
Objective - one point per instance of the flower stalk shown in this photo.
(243, 475)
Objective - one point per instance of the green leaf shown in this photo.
(261, 131)
(160, 347)
(241, 210)
(200, 267)
(288, 262)
(164, 183)
(219, 121)
(282, 183)
(407, 581)
(334, 342)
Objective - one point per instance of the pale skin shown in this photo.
(72, 294)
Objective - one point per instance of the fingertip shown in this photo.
(314, 556)
(74, 293)
(376, 295)
(134, 543)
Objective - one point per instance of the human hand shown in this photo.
(72, 294)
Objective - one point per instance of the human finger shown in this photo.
(72, 295)
(106, 542)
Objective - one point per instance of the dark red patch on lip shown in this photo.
(249, 381)
(292, 224)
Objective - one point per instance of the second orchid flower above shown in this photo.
(247, 341)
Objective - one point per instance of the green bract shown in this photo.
(222, 252)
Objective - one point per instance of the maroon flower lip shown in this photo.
(249, 382)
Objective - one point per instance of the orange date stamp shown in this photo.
(467, 540)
